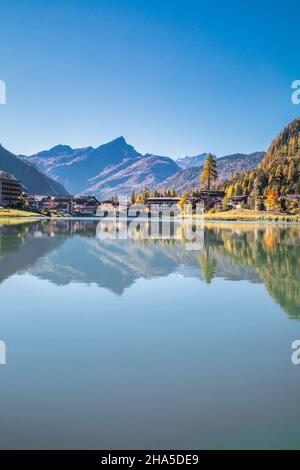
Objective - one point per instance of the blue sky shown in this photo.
(173, 77)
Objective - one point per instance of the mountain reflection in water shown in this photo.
(85, 251)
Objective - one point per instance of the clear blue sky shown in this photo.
(173, 77)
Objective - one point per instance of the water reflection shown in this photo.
(65, 251)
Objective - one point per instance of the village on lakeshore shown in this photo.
(269, 191)
(12, 197)
(214, 202)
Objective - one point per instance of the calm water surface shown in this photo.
(136, 343)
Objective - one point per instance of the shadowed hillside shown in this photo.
(33, 180)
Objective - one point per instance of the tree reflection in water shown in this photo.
(64, 251)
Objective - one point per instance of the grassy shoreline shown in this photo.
(242, 215)
(16, 213)
(250, 215)
(11, 213)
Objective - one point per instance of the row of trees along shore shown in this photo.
(208, 176)
(265, 188)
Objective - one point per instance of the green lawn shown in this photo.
(16, 213)
(245, 214)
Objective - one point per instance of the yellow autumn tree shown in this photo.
(272, 201)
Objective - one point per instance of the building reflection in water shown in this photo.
(114, 255)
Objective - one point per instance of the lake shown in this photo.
(114, 339)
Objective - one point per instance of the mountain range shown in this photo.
(189, 162)
(188, 178)
(117, 168)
